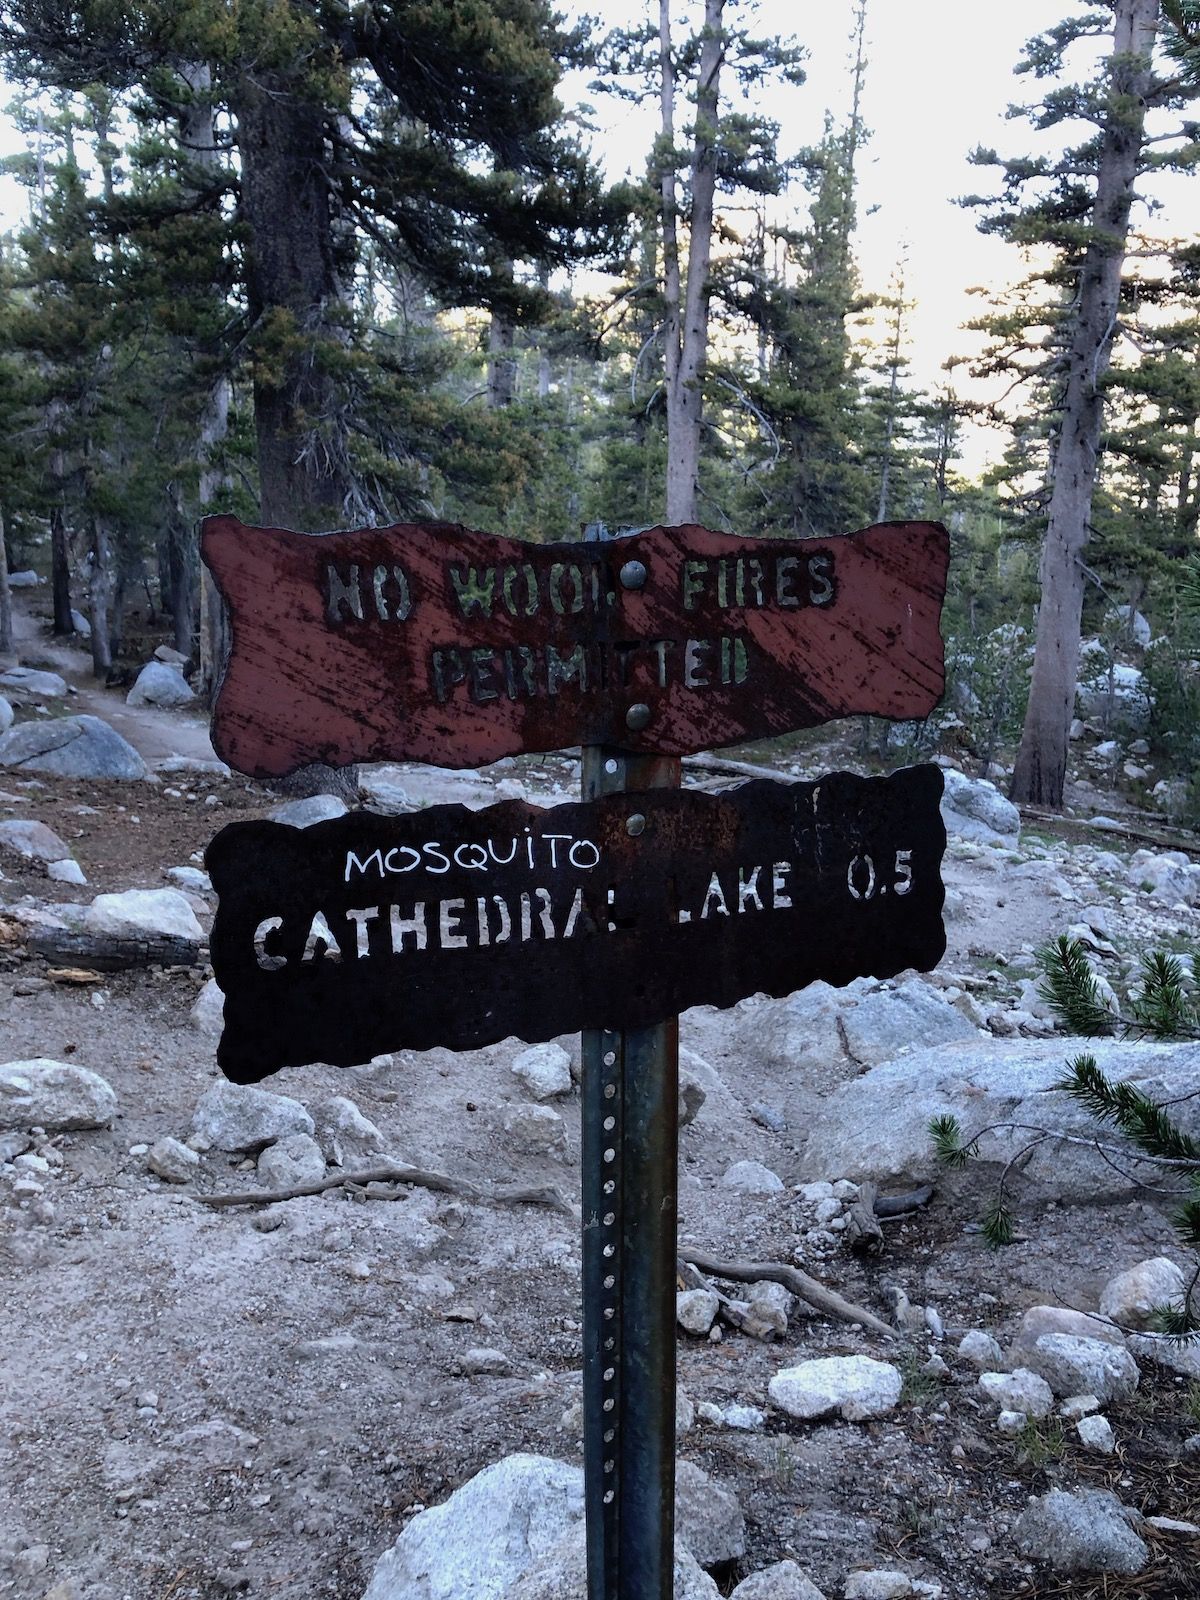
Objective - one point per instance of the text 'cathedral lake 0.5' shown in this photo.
(431, 642)
(453, 927)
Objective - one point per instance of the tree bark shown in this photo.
(687, 323)
(6, 628)
(98, 598)
(292, 280)
(1040, 771)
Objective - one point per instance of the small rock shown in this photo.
(1132, 1297)
(312, 809)
(31, 684)
(1085, 1366)
(1087, 1531)
(771, 1118)
(812, 1192)
(1177, 1355)
(208, 1009)
(1078, 1405)
(66, 871)
(1011, 1423)
(783, 1581)
(347, 1138)
(770, 1305)
(535, 1128)
(70, 747)
(295, 1161)
(692, 1096)
(239, 1117)
(544, 1071)
(857, 1387)
(749, 1419)
(751, 1177)
(981, 1350)
(173, 1161)
(160, 683)
(32, 841)
(1061, 1319)
(482, 1362)
(1019, 1390)
(1173, 1525)
(696, 1310)
(55, 1096)
(136, 913)
(879, 1585)
(1096, 1434)
(708, 1519)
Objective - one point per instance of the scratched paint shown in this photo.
(459, 928)
(435, 643)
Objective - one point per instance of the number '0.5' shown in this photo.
(862, 880)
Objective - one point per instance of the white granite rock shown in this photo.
(1096, 1434)
(751, 1177)
(1084, 1366)
(856, 1387)
(241, 1117)
(696, 1310)
(293, 1162)
(708, 1519)
(1087, 1531)
(544, 1071)
(55, 1095)
(1132, 1297)
(1020, 1390)
(161, 684)
(783, 1581)
(347, 1138)
(143, 913)
(173, 1161)
(313, 808)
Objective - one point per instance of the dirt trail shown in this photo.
(153, 733)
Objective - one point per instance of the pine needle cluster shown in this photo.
(1132, 1127)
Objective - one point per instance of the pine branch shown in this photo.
(1070, 989)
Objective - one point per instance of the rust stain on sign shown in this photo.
(431, 642)
(459, 928)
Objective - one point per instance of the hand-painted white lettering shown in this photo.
(748, 889)
(354, 864)
(859, 866)
(529, 847)
(266, 962)
(573, 855)
(449, 919)
(612, 900)
(414, 927)
(554, 840)
(505, 930)
(391, 864)
(361, 931)
(502, 861)
(461, 858)
(780, 872)
(320, 936)
(342, 594)
(715, 897)
(904, 878)
(695, 669)
(578, 914)
(545, 907)
(435, 853)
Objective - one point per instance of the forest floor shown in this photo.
(202, 1402)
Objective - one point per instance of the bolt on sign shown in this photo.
(431, 642)
(450, 927)
(366, 934)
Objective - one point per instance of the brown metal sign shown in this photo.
(452, 927)
(431, 642)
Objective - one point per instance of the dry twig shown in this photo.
(398, 1172)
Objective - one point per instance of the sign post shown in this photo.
(630, 1177)
(366, 934)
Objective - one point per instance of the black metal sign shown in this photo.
(459, 928)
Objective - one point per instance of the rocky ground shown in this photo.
(200, 1401)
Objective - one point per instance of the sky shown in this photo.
(939, 82)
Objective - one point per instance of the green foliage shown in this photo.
(1142, 1129)
(1069, 986)
(1039, 1443)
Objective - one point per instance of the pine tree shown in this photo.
(1078, 204)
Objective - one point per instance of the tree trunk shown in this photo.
(60, 544)
(685, 395)
(1040, 771)
(6, 627)
(98, 598)
(502, 366)
(304, 477)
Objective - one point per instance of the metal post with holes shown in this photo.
(630, 1160)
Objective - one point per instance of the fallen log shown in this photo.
(399, 1173)
(805, 1288)
(108, 952)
